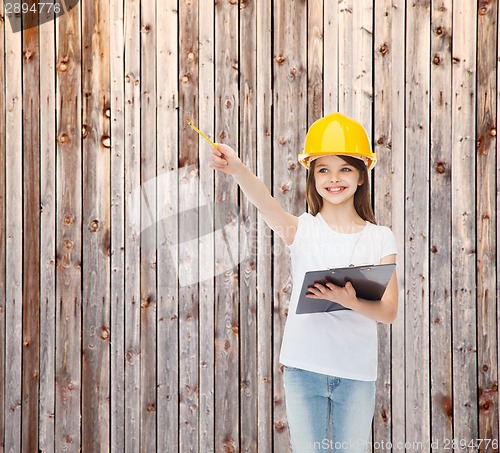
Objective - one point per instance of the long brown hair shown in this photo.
(362, 202)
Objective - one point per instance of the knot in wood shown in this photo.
(281, 141)
(279, 427)
(107, 113)
(235, 330)
(68, 220)
(381, 140)
(440, 168)
(85, 131)
(145, 29)
(228, 104)
(106, 141)
(94, 226)
(280, 59)
(190, 55)
(151, 407)
(485, 368)
(493, 132)
(235, 65)
(185, 78)
(63, 66)
(63, 138)
(69, 245)
(436, 60)
(26, 342)
(439, 31)
(28, 54)
(104, 333)
(384, 48)
(483, 10)
(293, 72)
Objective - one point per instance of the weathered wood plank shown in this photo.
(207, 240)
(346, 50)
(167, 138)
(47, 237)
(487, 318)
(13, 237)
(397, 200)
(69, 227)
(465, 410)
(384, 117)
(117, 227)
(248, 218)
(290, 124)
(331, 63)
(226, 217)
(440, 210)
(315, 60)
(133, 193)
(497, 215)
(3, 227)
(263, 123)
(31, 234)
(362, 45)
(189, 199)
(417, 226)
(148, 234)
(96, 226)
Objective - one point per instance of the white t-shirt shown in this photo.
(341, 343)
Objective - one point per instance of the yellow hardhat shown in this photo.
(337, 134)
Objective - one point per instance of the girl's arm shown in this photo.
(384, 310)
(284, 224)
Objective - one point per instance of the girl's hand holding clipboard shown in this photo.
(343, 295)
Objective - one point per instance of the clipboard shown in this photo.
(370, 282)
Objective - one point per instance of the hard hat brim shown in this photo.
(306, 159)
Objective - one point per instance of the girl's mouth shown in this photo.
(335, 189)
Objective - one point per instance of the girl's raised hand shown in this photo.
(225, 159)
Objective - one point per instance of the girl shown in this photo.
(330, 359)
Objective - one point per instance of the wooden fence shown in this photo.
(142, 300)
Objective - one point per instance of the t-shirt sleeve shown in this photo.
(389, 245)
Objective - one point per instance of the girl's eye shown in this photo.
(322, 170)
(346, 169)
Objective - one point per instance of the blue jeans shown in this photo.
(327, 413)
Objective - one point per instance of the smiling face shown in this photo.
(336, 181)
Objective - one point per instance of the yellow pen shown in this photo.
(202, 134)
